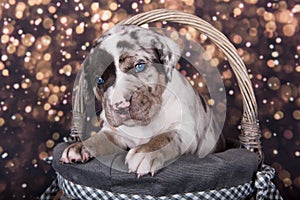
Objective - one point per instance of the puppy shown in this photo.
(148, 107)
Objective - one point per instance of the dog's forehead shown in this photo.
(135, 32)
(126, 38)
(126, 41)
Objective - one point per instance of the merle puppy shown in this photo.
(148, 107)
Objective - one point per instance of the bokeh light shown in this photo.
(44, 42)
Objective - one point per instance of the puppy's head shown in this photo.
(129, 70)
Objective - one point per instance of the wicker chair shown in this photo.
(260, 187)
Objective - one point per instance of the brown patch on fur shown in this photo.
(156, 143)
(160, 88)
(126, 62)
(141, 103)
(112, 138)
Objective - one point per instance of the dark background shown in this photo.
(44, 42)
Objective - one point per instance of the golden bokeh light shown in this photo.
(2, 121)
(44, 42)
(105, 15)
(28, 40)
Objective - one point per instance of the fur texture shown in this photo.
(154, 113)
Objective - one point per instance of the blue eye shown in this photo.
(100, 81)
(140, 67)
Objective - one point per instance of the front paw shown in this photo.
(76, 152)
(143, 162)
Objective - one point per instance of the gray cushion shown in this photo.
(187, 174)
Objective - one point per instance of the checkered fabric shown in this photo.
(51, 191)
(263, 187)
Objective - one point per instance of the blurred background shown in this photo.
(44, 42)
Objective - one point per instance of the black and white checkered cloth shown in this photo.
(51, 191)
(263, 188)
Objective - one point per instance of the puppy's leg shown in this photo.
(152, 156)
(103, 143)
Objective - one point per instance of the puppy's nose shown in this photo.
(121, 105)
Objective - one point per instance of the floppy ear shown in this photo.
(84, 90)
(95, 65)
(168, 53)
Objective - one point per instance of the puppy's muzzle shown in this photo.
(141, 104)
(138, 102)
(136, 106)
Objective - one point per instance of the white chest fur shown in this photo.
(177, 112)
